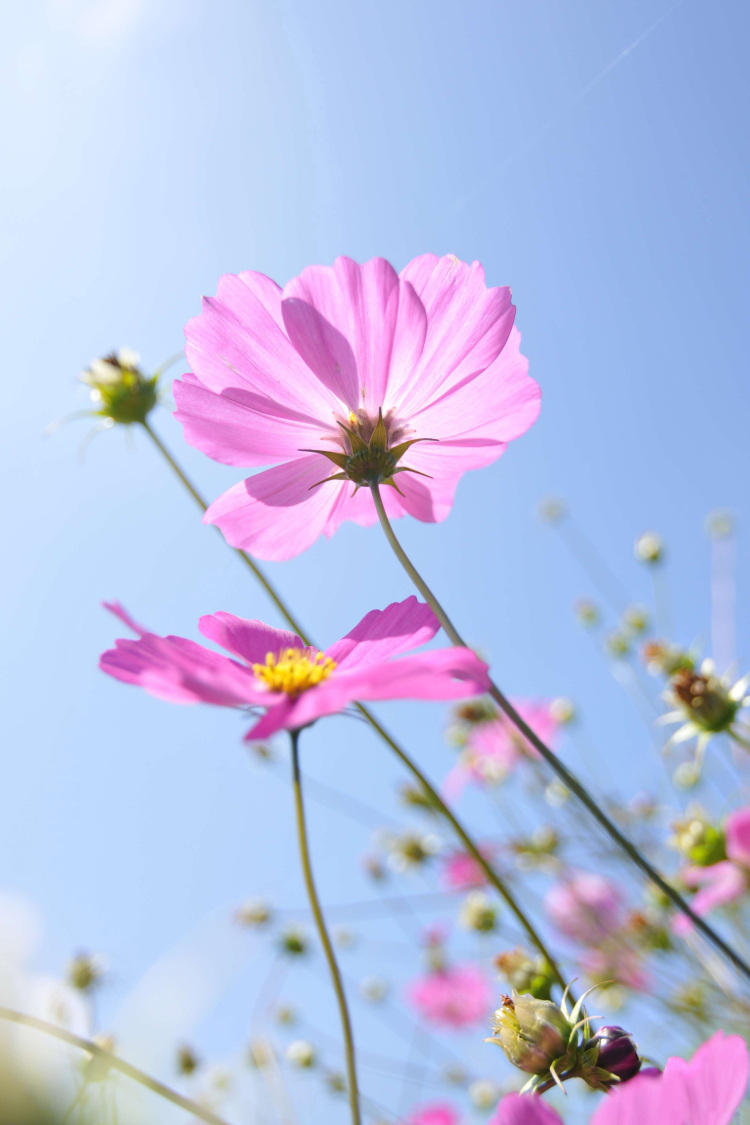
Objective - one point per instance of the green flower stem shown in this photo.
(569, 780)
(338, 984)
(492, 875)
(108, 1061)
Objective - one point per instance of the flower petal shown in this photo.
(181, 671)
(241, 427)
(239, 341)
(721, 882)
(276, 514)
(445, 673)
(250, 640)
(715, 1079)
(647, 1099)
(120, 611)
(468, 326)
(383, 633)
(737, 829)
(524, 1109)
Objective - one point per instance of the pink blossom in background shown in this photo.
(615, 961)
(585, 907)
(275, 371)
(722, 882)
(461, 872)
(455, 997)
(438, 1113)
(494, 747)
(705, 1091)
(293, 683)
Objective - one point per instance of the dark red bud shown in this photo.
(617, 1052)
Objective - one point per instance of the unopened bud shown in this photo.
(293, 941)
(254, 912)
(719, 524)
(636, 618)
(562, 711)
(484, 1093)
(649, 548)
(526, 972)
(301, 1054)
(532, 1033)
(587, 613)
(552, 509)
(85, 971)
(187, 1060)
(617, 644)
(478, 913)
(119, 389)
(618, 1052)
(374, 989)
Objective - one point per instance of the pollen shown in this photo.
(294, 670)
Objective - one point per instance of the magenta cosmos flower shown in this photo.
(705, 1091)
(352, 374)
(294, 684)
(494, 746)
(585, 907)
(722, 882)
(435, 1113)
(454, 997)
(461, 872)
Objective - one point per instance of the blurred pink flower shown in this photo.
(454, 997)
(494, 747)
(277, 373)
(437, 1113)
(585, 907)
(721, 882)
(614, 961)
(293, 683)
(461, 872)
(705, 1091)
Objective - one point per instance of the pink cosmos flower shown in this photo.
(298, 378)
(295, 685)
(585, 907)
(437, 1113)
(461, 872)
(725, 881)
(704, 1091)
(494, 746)
(453, 997)
(615, 961)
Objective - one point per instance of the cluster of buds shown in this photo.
(553, 1044)
(706, 705)
(120, 392)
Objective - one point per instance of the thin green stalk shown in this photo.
(112, 1062)
(568, 779)
(400, 753)
(338, 984)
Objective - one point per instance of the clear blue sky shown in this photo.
(591, 155)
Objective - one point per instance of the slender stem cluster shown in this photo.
(568, 778)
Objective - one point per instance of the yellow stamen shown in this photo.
(293, 670)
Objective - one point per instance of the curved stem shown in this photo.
(565, 775)
(112, 1062)
(497, 882)
(338, 984)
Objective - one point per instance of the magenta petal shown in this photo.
(468, 326)
(524, 1109)
(715, 1079)
(181, 671)
(721, 883)
(241, 427)
(120, 611)
(250, 640)
(387, 632)
(445, 673)
(645, 1100)
(737, 829)
(238, 341)
(277, 514)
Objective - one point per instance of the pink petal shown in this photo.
(239, 341)
(737, 828)
(524, 1109)
(354, 325)
(446, 673)
(427, 500)
(181, 671)
(387, 632)
(468, 326)
(276, 514)
(250, 640)
(645, 1100)
(241, 427)
(721, 882)
(120, 611)
(715, 1079)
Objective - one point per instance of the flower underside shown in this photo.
(294, 670)
(368, 456)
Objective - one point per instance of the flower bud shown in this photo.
(719, 524)
(663, 658)
(587, 613)
(649, 548)
(478, 913)
(552, 509)
(187, 1060)
(618, 1052)
(532, 1033)
(302, 1054)
(526, 972)
(119, 389)
(636, 618)
(562, 711)
(85, 972)
(484, 1094)
(293, 941)
(617, 644)
(255, 912)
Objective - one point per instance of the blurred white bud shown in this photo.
(301, 1054)
(649, 547)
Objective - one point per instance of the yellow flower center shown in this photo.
(293, 670)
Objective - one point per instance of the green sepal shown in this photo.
(339, 459)
(399, 450)
(379, 438)
(325, 480)
(356, 442)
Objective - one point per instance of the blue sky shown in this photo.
(593, 156)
